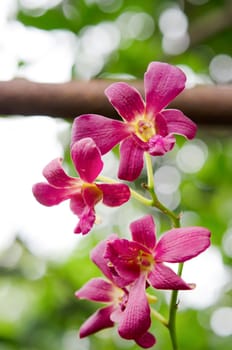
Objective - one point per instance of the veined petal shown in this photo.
(87, 159)
(49, 195)
(178, 123)
(96, 289)
(99, 320)
(162, 277)
(162, 83)
(159, 145)
(105, 132)
(143, 231)
(181, 244)
(131, 160)
(92, 194)
(98, 256)
(123, 255)
(77, 204)
(114, 194)
(56, 176)
(86, 221)
(146, 341)
(126, 100)
(136, 317)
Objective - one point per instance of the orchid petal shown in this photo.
(105, 132)
(96, 289)
(162, 83)
(77, 204)
(181, 244)
(98, 256)
(131, 160)
(159, 145)
(143, 231)
(162, 277)
(92, 194)
(136, 317)
(123, 255)
(98, 321)
(87, 159)
(48, 195)
(114, 194)
(56, 176)
(126, 100)
(161, 126)
(178, 123)
(146, 341)
(86, 221)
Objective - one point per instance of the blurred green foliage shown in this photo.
(38, 310)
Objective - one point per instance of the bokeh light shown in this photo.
(173, 24)
(221, 69)
(192, 156)
(221, 321)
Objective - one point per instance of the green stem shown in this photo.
(172, 313)
(159, 317)
(150, 187)
(134, 194)
(171, 324)
(150, 175)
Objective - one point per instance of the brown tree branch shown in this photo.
(205, 104)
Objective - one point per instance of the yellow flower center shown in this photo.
(144, 127)
(145, 260)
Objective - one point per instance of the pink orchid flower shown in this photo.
(144, 256)
(82, 191)
(122, 306)
(146, 126)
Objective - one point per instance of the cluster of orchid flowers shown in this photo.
(129, 266)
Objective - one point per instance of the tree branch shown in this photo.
(205, 104)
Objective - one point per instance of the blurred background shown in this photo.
(42, 263)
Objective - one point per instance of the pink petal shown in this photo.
(87, 159)
(181, 244)
(98, 256)
(159, 145)
(143, 231)
(114, 194)
(49, 195)
(56, 176)
(178, 123)
(98, 321)
(131, 160)
(146, 341)
(92, 194)
(105, 132)
(126, 100)
(123, 255)
(162, 83)
(96, 289)
(160, 125)
(136, 317)
(162, 277)
(77, 204)
(86, 221)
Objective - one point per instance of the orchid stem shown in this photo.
(134, 194)
(150, 187)
(159, 317)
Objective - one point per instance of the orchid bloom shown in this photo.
(146, 126)
(144, 256)
(122, 306)
(82, 191)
